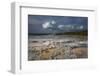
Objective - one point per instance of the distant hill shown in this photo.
(64, 33)
(74, 33)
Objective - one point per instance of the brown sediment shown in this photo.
(47, 54)
(80, 52)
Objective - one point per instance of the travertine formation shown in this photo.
(47, 49)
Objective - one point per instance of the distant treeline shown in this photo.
(65, 33)
(74, 33)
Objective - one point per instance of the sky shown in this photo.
(40, 24)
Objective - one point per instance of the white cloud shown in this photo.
(46, 25)
(60, 26)
(71, 27)
(81, 27)
(66, 27)
(50, 24)
(53, 22)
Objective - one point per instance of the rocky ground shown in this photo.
(56, 51)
